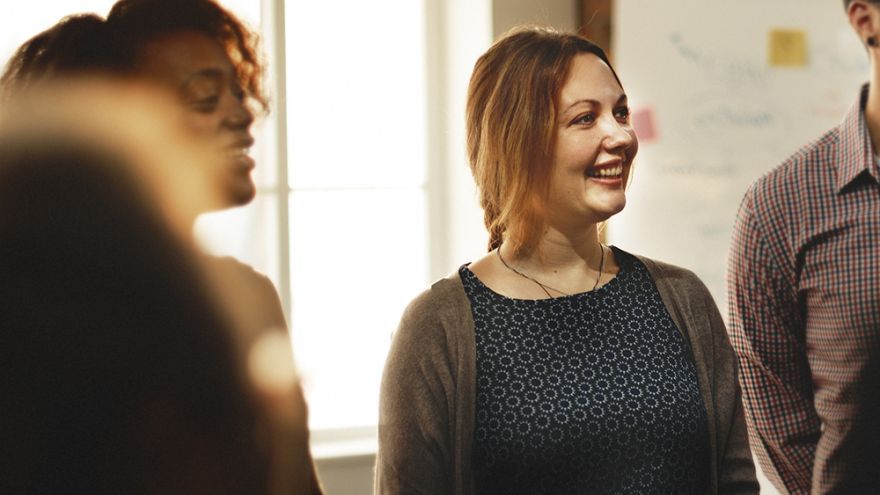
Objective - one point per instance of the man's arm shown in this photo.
(768, 337)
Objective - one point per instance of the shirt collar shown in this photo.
(855, 154)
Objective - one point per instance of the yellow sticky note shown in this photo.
(787, 48)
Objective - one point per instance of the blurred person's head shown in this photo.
(197, 49)
(140, 121)
(120, 373)
(529, 165)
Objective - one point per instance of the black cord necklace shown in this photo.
(544, 287)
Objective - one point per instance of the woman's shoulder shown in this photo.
(240, 271)
(248, 294)
(670, 276)
(691, 306)
(440, 313)
(434, 327)
(445, 299)
(252, 286)
(681, 290)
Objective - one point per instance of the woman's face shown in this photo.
(198, 69)
(594, 149)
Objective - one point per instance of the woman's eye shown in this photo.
(622, 114)
(585, 119)
(207, 104)
(238, 92)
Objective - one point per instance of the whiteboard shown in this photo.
(723, 116)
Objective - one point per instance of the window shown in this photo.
(358, 206)
(352, 199)
(357, 183)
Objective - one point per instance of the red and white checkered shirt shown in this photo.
(804, 287)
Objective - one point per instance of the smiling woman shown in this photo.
(512, 195)
(199, 70)
(195, 48)
(555, 364)
(594, 147)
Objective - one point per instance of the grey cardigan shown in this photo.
(426, 411)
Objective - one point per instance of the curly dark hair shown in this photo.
(88, 43)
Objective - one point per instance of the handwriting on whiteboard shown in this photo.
(719, 68)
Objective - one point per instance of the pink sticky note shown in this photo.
(643, 124)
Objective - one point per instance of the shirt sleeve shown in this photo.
(768, 337)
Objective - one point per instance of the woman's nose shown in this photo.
(239, 115)
(619, 136)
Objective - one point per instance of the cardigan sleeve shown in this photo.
(692, 307)
(736, 470)
(416, 409)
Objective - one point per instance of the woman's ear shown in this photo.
(864, 17)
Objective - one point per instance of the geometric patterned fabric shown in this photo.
(589, 393)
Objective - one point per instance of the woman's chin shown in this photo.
(242, 194)
(608, 209)
(234, 193)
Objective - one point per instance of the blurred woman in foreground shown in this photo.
(121, 369)
(208, 60)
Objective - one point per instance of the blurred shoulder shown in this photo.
(240, 272)
(248, 294)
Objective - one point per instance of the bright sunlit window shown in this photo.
(358, 206)
(353, 207)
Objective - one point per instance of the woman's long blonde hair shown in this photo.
(511, 119)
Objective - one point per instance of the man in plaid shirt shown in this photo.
(804, 285)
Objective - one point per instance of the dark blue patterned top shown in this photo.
(589, 393)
